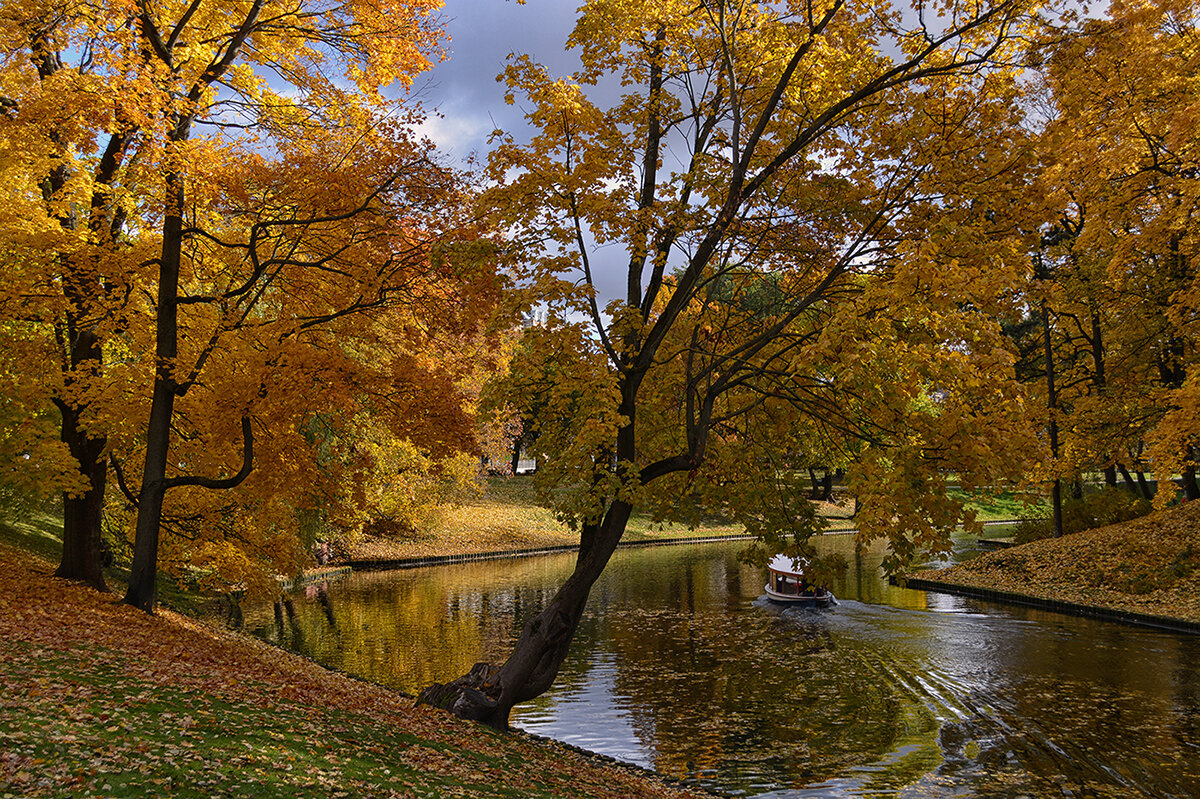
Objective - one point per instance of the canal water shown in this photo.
(680, 665)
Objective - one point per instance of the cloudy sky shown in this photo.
(471, 103)
(483, 33)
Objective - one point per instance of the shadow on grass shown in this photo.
(38, 532)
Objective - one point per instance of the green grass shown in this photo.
(993, 531)
(39, 532)
(516, 495)
(641, 527)
(1005, 506)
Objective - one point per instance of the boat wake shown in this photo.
(964, 717)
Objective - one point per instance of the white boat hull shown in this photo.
(812, 600)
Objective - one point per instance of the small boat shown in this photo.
(786, 583)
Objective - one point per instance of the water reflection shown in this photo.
(682, 667)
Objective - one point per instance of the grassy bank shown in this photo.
(507, 517)
(38, 533)
(99, 699)
(1148, 565)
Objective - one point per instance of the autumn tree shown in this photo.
(70, 117)
(773, 181)
(264, 222)
(1120, 170)
(349, 228)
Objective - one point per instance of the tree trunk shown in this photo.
(1188, 479)
(1052, 403)
(489, 693)
(1133, 486)
(81, 559)
(1056, 499)
(1100, 380)
(83, 354)
(1110, 476)
(143, 575)
(516, 455)
(1147, 492)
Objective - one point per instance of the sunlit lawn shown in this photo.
(1003, 506)
(508, 516)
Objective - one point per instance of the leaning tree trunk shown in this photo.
(489, 693)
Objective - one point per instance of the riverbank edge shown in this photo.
(602, 760)
(314, 576)
(30, 566)
(383, 564)
(1129, 617)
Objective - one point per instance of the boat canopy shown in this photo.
(788, 566)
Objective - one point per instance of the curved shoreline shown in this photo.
(380, 564)
(1128, 617)
(1055, 605)
(988, 594)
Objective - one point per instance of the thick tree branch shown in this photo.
(130, 497)
(227, 482)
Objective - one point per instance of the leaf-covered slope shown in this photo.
(99, 698)
(1148, 565)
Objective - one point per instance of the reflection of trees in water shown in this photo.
(407, 629)
(711, 689)
(1187, 690)
(862, 580)
(326, 605)
(291, 632)
(289, 627)
(877, 696)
